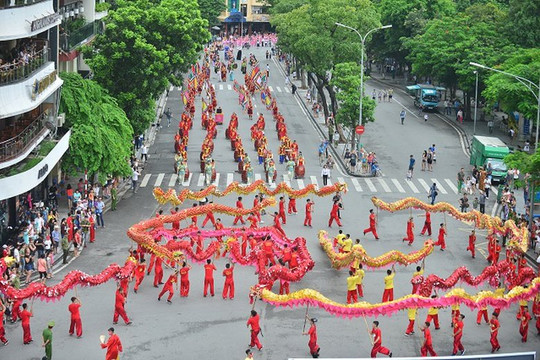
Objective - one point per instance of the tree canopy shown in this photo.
(210, 10)
(146, 45)
(100, 130)
(512, 94)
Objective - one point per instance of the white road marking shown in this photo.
(370, 185)
(301, 184)
(230, 178)
(329, 182)
(439, 186)
(278, 88)
(270, 88)
(452, 186)
(145, 180)
(314, 181)
(216, 182)
(412, 186)
(356, 184)
(398, 185)
(424, 184)
(188, 181)
(200, 182)
(286, 89)
(229, 87)
(159, 179)
(384, 185)
(220, 86)
(341, 180)
(172, 182)
(286, 179)
(257, 176)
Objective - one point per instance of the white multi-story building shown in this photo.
(31, 140)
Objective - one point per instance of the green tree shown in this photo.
(146, 45)
(527, 164)
(513, 95)
(443, 52)
(523, 25)
(100, 130)
(309, 33)
(211, 9)
(346, 78)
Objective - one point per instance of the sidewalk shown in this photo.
(123, 187)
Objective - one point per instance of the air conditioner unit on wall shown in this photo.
(61, 119)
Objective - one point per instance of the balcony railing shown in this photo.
(4, 4)
(21, 138)
(10, 73)
(71, 41)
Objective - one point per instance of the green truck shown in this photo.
(490, 150)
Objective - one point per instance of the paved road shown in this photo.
(198, 327)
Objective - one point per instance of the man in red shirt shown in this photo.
(256, 201)
(282, 210)
(292, 206)
(309, 210)
(427, 346)
(334, 216)
(76, 323)
(253, 220)
(524, 324)
(25, 322)
(218, 226)
(228, 287)
(496, 253)
(158, 272)
(175, 224)
(268, 248)
(440, 240)
(16, 310)
(286, 254)
(209, 216)
(169, 286)
(458, 333)
(472, 243)
(372, 225)
(377, 342)
(255, 328)
(277, 224)
(2, 330)
(194, 218)
(140, 270)
(209, 269)
(410, 231)
(113, 346)
(427, 224)
(184, 280)
(119, 310)
(494, 330)
(239, 205)
(314, 349)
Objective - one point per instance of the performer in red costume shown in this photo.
(209, 269)
(377, 342)
(113, 346)
(334, 214)
(169, 286)
(228, 287)
(119, 310)
(255, 328)
(372, 225)
(309, 210)
(314, 348)
(184, 280)
(410, 231)
(76, 323)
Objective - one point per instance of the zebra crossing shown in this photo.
(367, 185)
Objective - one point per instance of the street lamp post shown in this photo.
(363, 40)
(529, 85)
(475, 101)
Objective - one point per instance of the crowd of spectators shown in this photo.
(14, 61)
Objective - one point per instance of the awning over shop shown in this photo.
(235, 17)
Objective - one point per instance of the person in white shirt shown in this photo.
(144, 153)
(325, 173)
(134, 179)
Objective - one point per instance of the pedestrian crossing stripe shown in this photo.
(424, 184)
(286, 89)
(370, 185)
(439, 186)
(356, 185)
(373, 185)
(220, 86)
(270, 88)
(145, 180)
(278, 88)
(229, 87)
(384, 185)
(398, 185)
(451, 185)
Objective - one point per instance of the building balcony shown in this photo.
(26, 18)
(81, 36)
(14, 72)
(30, 173)
(28, 93)
(20, 138)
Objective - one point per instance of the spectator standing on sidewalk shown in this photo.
(482, 202)
(168, 114)
(100, 205)
(402, 115)
(411, 165)
(144, 153)
(134, 178)
(65, 249)
(460, 179)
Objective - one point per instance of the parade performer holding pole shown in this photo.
(113, 345)
(377, 342)
(255, 328)
(314, 348)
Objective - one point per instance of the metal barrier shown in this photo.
(11, 73)
(18, 144)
